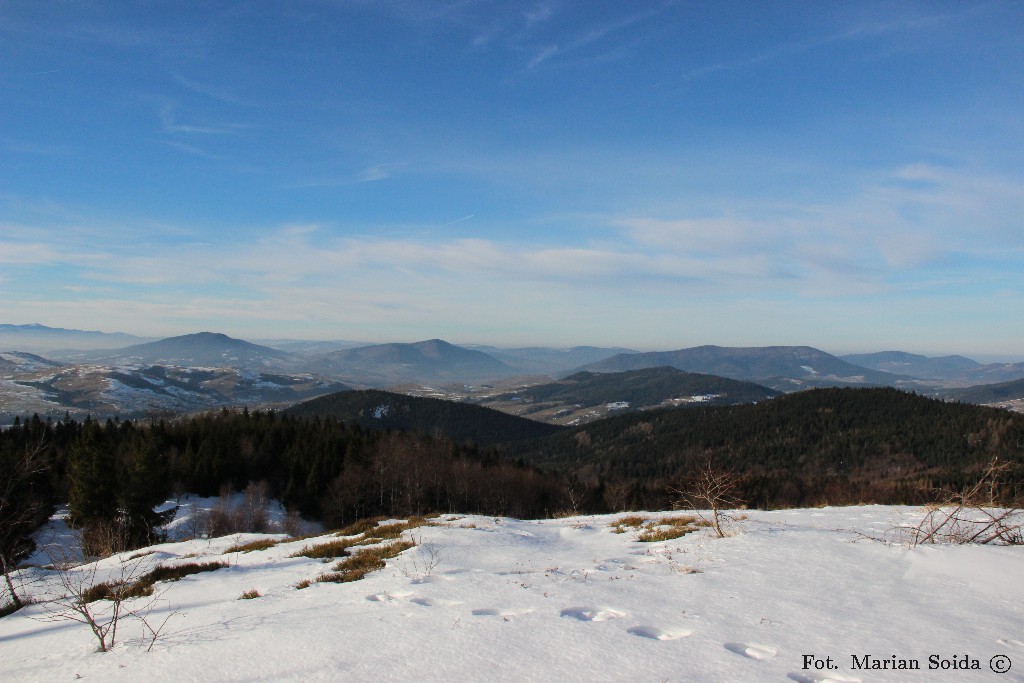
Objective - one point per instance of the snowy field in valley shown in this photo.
(486, 599)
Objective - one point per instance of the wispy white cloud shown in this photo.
(379, 172)
(29, 147)
(914, 224)
(540, 13)
(855, 33)
(194, 150)
(215, 92)
(543, 54)
(170, 123)
(587, 37)
(26, 253)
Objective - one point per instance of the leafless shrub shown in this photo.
(292, 524)
(255, 508)
(150, 632)
(128, 592)
(85, 599)
(105, 538)
(249, 516)
(423, 563)
(196, 523)
(976, 515)
(713, 490)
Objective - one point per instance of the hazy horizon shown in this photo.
(846, 176)
(981, 358)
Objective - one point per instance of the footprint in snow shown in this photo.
(592, 614)
(616, 564)
(656, 633)
(388, 597)
(752, 650)
(501, 612)
(429, 578)
(643, 556)
(1009, 642)
(435, 602)
(815, 677)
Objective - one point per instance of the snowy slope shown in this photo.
(567, 600)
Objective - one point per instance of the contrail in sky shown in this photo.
(464, 218)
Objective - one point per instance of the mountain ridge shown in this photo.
(383, 410)
(783, 368)
(430, 360)
(587, 395)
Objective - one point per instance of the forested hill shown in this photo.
(645, 387)
(989, 393)
(461, 422)
(835, 445)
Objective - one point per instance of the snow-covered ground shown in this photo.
(485, 599)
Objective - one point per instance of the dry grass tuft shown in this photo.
(143, 586)
(250, 594)
(367, 560)
(261, 544)
(360, 526)
(620, 525)
(327, 550)
(667, 528)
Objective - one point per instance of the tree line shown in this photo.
(827, 446)
(113, 474)
(823, 446)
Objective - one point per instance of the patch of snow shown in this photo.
(508, 599)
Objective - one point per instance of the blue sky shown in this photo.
(657, 175)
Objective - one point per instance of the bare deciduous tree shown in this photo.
(19, 511)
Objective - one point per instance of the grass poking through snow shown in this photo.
(367, 560)
(661, 529)
(261, 544)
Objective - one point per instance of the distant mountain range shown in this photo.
(474, 373)
(37, 338)
(952, 371)
(783, 368)
(132, 392)
(922, 367)
(539, 360)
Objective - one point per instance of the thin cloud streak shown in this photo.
(795, 48)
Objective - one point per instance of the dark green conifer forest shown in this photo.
(828, 446)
